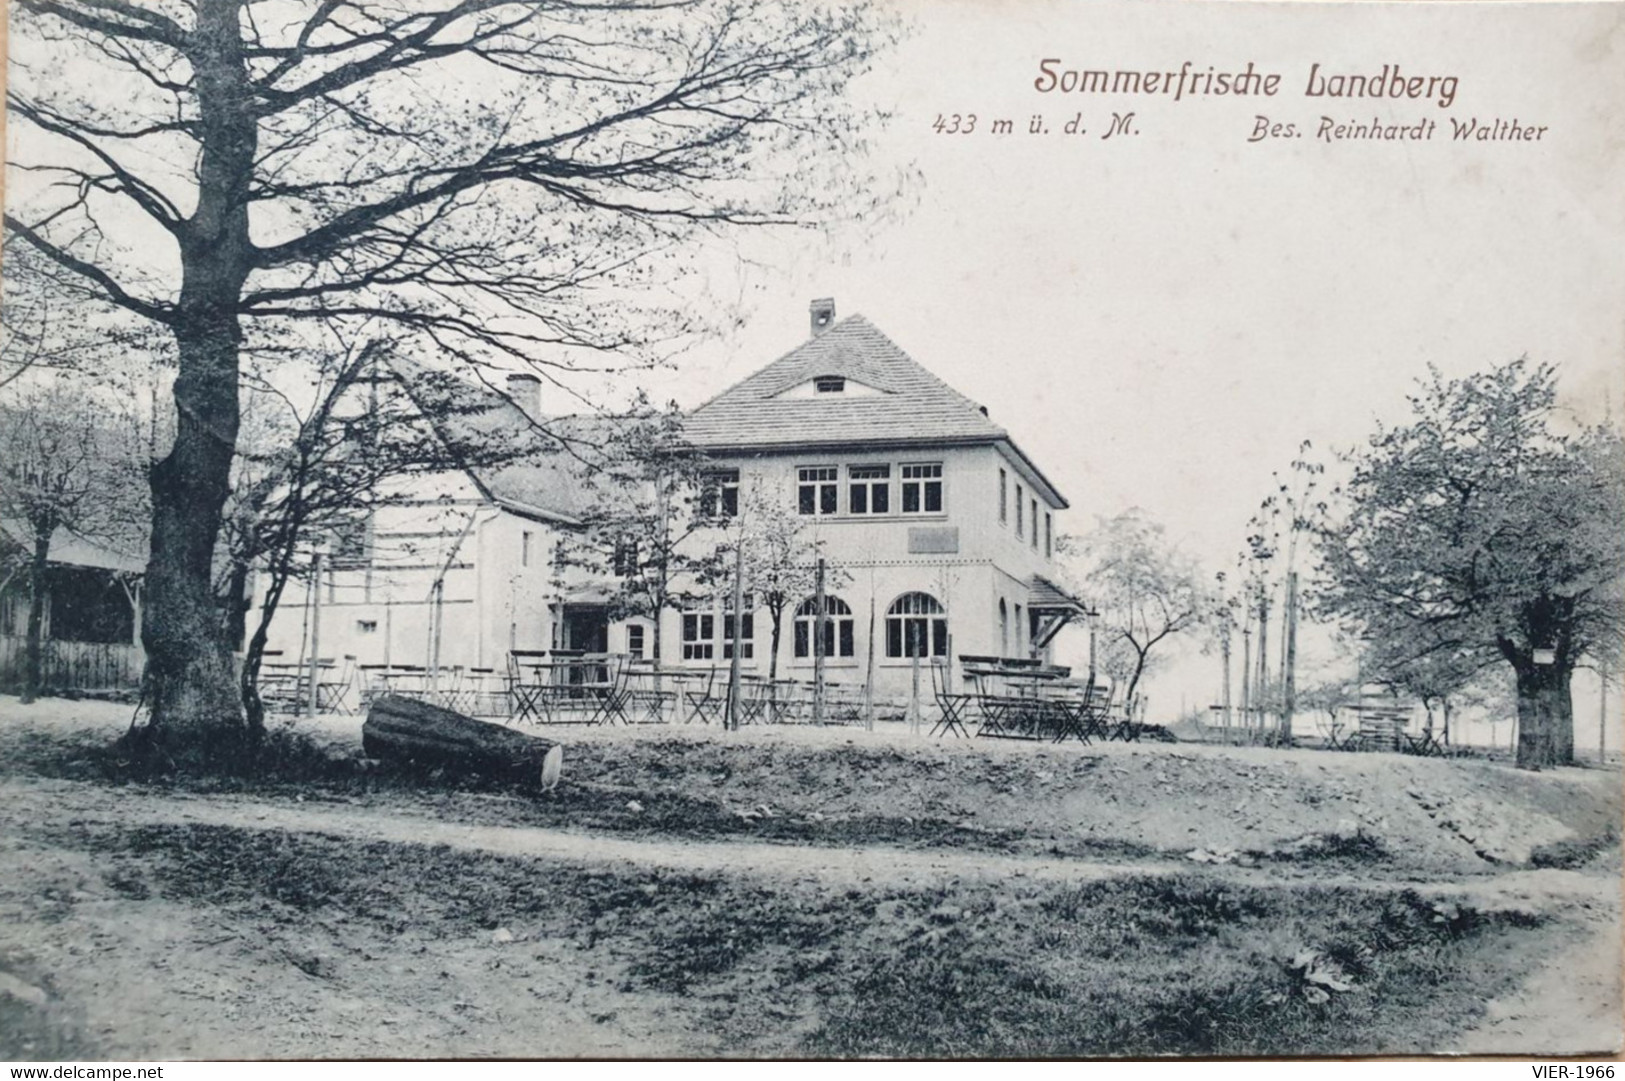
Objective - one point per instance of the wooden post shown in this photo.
(1224, 651)
(869, 675)
(738, 620)
(819, 620)
(1289, 685)
(1602, 713)
(1247, 673)
(315, 630)
(914, 695)
(1262, 681)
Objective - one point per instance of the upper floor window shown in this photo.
(1004, 628)
(817, 490)
(1049, 536)
(525, 540)
(838, 640)
(1004, 497)
(1035, 524)
(829, 384)
(719, 493)
(352, 541)
(1020, 502)
(922, 488)
(635, 640)
(916, 626)
(624, 559)
(869, 489)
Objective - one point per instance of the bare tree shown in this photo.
(1146, 590)
(314, 472)
(483, 173)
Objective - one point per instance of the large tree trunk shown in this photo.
(1545, 716)
(421, 736)
(196, 705)
(34, 643)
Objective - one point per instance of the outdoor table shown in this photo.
(577, 690)
(650, 690)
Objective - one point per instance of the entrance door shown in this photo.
(586, 628)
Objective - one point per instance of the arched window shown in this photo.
(1004, 628)
(916, 626)
(837, 628)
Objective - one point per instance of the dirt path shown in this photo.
(836, 866)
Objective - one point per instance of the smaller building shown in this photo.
(92, 611)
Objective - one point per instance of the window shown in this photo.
(916, 626)
(829, 384)
(1018, 628)
(624, 560)
(1019, 497)
(816, 492)
(366, 626)
(1035, 524)
(869, 491)
(1004, 628)
(525, 539)
(922, 489)
(747, 632)
(719, 494)
(837, 628)
(699, 636)
(352, 542)
(1004, 515)
(634, 641)
(1049, 536)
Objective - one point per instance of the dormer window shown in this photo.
(830, 384)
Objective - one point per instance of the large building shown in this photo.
(938, 530)
(943, 529)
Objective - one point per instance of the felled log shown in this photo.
(415, 734)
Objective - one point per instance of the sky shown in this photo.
(1161, 319)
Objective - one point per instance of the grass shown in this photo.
(1184, 965)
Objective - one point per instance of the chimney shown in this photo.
(823, 315)
(526, 392)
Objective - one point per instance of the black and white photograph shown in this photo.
(811, 530)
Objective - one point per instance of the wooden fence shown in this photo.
(74, 666)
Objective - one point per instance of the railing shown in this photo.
(74, 666)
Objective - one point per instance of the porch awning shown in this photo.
(1045, 597)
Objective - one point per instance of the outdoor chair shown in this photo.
(953, 705)
(527, 679)
(334, 684)
(698, 700)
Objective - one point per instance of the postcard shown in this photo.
(834, 529)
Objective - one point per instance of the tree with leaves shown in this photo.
(780, 560)
(1487, 529)
(500, 178)
(1146, 590)
(643, 528)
